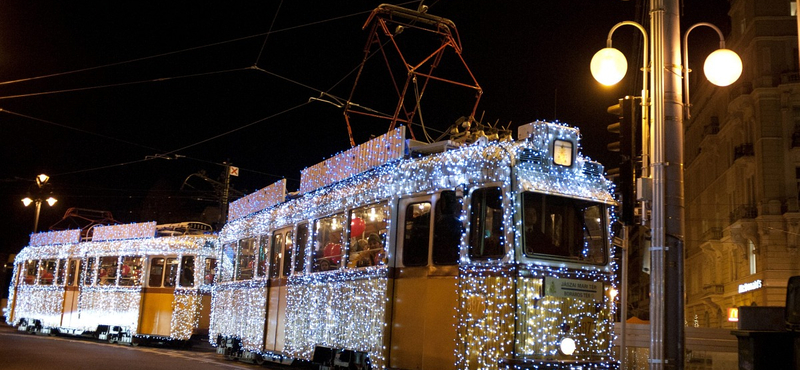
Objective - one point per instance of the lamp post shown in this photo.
(41, 182)
(666, 176)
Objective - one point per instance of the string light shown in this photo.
(506, 319)
(111, 304)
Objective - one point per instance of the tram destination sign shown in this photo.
(573, 288)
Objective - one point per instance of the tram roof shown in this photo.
(429, 168)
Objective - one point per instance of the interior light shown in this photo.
(608, 66)
(723, 67)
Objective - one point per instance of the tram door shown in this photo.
(423, 332)
(69, 276)
(279, 268)
(156, 311)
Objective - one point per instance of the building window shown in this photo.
(751, 254)
(793, 8)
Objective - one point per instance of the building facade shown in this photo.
(742, 171)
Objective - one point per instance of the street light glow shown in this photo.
(42, 179)
(723, 67)
(27, 201)
(608, 66)
(50, 201)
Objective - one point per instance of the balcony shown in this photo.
(742, 88)
(713, 233)
(790, 77)
(713, 289)
(743, 213)
(743, 150)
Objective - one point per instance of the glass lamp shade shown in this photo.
(723, 67)
(51, 201)
(608, 66)
(27, 201)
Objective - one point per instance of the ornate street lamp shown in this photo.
(41, 182)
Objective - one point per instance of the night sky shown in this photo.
(90, 90)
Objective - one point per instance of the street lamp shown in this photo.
(722, 67)
(667, 176)
(41, 182)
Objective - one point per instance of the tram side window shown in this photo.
(156, 272)
(30, 270)
(227, 263)
(163, 272)
(416, 237)
(447, 229)
(130, 271)
(90, 271)
(208, 270)
(263, 253)
(328, 246)
(486, 224)
(172, 272)
(107, 275)
(287, 254)
(300, 248)
(61, 273)
(246, 259)
(48, 268)
(368, 228)
(74, 272)
(187, 271)
(563, 227)
(281, 253)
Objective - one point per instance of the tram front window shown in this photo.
(564, 228)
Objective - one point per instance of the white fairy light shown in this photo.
(345, 308)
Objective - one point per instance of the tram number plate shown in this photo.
(573, 288)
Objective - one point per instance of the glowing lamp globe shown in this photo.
(608, 66)
(567, 346)
(723, 67)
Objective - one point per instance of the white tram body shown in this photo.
(489, 255)
(126, 282)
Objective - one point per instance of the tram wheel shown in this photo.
(259, 360)
(111, 339)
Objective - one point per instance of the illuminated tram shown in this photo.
(393, 254)
(129, 283)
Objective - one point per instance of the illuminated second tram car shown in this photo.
(490, 255)
(129, 284)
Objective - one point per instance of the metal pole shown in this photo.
(666, 298)
(657, 221)
(223, 203)
(623, 343)
(38, 202)
(673, 193)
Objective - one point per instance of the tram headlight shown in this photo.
(567, 346)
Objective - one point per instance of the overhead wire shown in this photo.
(260, 52)
(176, 77)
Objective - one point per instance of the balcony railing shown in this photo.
(713, 233)
(743, 212)
(790, 77)
(744, 150)
(742, 88)
(713, 289)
